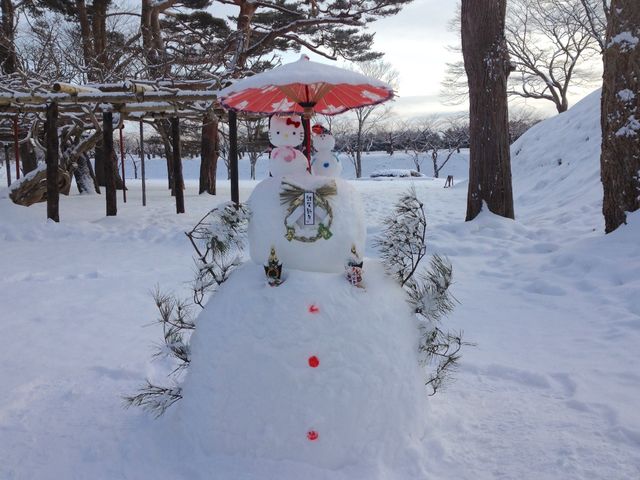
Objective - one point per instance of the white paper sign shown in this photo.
(309, 209)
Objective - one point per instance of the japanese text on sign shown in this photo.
(309, 209)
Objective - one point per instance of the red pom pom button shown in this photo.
(314, 361)
(312, 435)
(314, 309)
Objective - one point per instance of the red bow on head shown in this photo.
(293, 122)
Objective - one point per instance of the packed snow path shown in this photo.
(550, 391)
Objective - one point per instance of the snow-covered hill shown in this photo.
(556, 169)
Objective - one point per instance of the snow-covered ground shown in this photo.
(550, 391)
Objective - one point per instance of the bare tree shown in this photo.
(391, 131)
(255, 140)
(551, 44)
(418, 139)
(486, 61)
(8, 58)
(454, 135)
(620, 160)
(368, 118)
(595, 17)
(437, 138)
(546, 44)
(521, 120)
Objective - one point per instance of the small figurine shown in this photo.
(285, 134)
(325, 162)
(354, 268)
(273, 270)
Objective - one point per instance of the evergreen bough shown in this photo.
(402, 245)
(218, 240)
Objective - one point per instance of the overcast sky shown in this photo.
(415, 42)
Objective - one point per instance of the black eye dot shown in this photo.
(277, 133)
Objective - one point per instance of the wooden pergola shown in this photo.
(132, 101)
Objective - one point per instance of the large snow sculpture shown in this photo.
(321, 369)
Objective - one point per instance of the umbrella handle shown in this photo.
(306, 119)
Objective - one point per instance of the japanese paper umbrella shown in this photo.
(304, 88)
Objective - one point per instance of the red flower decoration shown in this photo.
(313, 309)
(312, 435)
(314, 361)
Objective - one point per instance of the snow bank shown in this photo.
(395, 172)
(556, 168)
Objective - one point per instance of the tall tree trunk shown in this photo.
(100, 169)
(86, 38)
(8, 59)
(208, 155)
(85, 178)
(620, 117)
(28, 157)
(153, 46)
(486, 61)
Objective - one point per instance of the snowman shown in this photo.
(285, 134)
(308, 371)
(324, 163)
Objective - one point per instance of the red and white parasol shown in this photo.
(304, 88)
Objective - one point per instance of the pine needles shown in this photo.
(402, 247)
(154, 399)
(218, 239)
(402, 244)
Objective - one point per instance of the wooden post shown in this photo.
(7, 163)
(53, 193)
(124, 183)
(177, 165)
(109, 164)
(233, 157)
(144, 178)
(16, 146)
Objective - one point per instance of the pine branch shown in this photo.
(154, 399)
(441, 349)
(402, 243)
(218, 239)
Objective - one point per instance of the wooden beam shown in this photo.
(142, 170)
(73, 89)
(63, 99)
(109, 164)
(178, 182)
(7, 163)
(124, 182)
(16, 146)
(53, 192)
(233, 157)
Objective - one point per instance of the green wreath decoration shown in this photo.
(292, 196)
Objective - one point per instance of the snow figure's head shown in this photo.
(286, 131)
(322, 139)
(325, 163)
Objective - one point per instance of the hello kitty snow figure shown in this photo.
(325, 163)
(286, 133)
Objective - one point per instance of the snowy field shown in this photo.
(549, 391)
